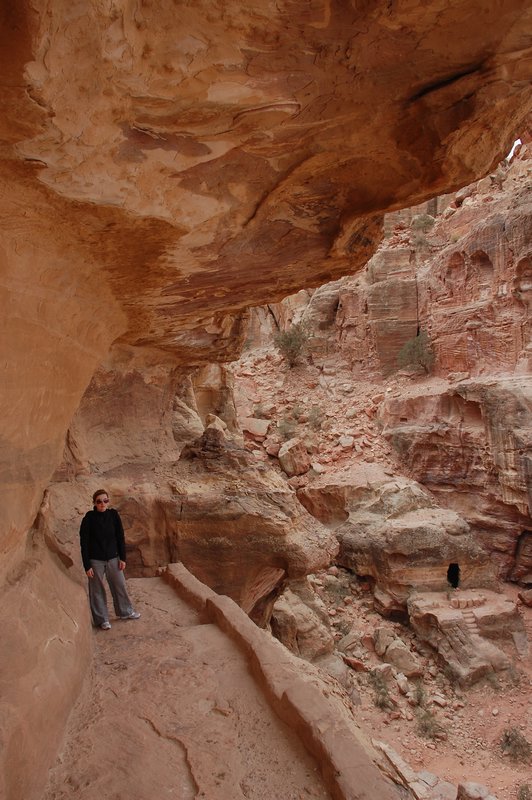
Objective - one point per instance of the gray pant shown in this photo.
(117, 585)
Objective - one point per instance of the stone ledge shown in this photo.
(189, 588)
(345, 763)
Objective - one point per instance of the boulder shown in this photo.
(398, 654)
(300, 621)
(293, 458)
(256, 428)
(474, 791)
(526, 597)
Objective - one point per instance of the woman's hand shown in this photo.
(121, 565)
(90, 573)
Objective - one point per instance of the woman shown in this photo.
(103, 550)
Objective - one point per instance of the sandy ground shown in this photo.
(171, 711)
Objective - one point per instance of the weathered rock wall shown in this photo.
(177, 167)
(462, 277)
(184, 491)
(470, 444)
(164, 167)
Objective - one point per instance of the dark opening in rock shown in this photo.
(453, 575)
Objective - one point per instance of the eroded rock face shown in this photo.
(470, 444)
(397, 535)
(185, 492)
(177, 164)
(457, 269)
(300, 621)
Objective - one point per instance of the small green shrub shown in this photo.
(524, 792)
(428, 726)
(422, 222)
(417, 352)
(419, 694)
(315, 418)
(381, 696)
(293, 342)
(287, 428)
(515, 745)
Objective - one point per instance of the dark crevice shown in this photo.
(453, 575)
(434, 87)
(274, 318)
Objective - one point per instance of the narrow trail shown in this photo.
(171, 711)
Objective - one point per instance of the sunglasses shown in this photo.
(101, 502)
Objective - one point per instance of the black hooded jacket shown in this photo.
(101, 537)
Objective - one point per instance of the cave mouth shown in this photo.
(453, 575)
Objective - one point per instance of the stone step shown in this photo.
(470, 622)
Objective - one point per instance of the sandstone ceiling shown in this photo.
(166, 164)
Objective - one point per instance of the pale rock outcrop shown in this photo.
(300, 621)
(394, 651)
(392, 531)
(466, 630)
(240, 529)
(474, 791)
(256, 428)
(400, 656)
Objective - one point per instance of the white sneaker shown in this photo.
(133, 615)
(105, 626)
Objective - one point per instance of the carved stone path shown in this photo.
(172, 711)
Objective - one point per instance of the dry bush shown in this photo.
(316, 417)
(417, 352)
(420, 695)
(287, 428)
(515, 745)
(428, 726)
(381, 696)
(293, 342)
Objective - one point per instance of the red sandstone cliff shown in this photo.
(163, 167)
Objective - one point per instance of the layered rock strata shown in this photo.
(470, 443)
(455, 270)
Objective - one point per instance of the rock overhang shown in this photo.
(235, 154)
